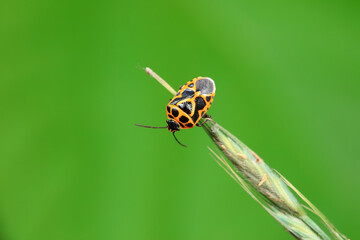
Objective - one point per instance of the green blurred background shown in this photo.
(74, 166)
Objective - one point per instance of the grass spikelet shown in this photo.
(268, 187)
(264, 184)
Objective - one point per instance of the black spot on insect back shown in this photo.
(169, 116)
(168, 109)
(186, 107)
(195, 116)
(183, 119)
(187, 93)
(175, 112)
(199, 103)
(190, 125)
(208, 98)
(191, 85)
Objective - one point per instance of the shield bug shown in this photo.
(189, 105)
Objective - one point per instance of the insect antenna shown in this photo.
(178, 140)
(161, 127)
(147, 126)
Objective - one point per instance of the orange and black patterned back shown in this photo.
(191, 102)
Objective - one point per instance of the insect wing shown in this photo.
(205, 85)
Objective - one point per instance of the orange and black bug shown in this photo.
(189, 105)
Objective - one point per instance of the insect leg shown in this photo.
(200, 125)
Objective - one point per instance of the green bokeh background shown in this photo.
(72, 85)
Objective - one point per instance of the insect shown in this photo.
(189, 105)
